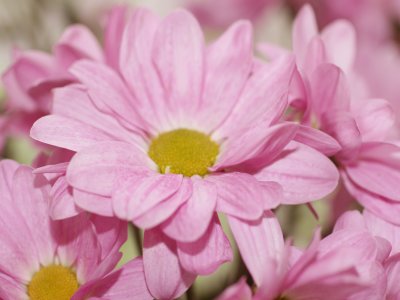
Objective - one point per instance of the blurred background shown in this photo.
(38, 24)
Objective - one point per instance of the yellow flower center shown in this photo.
(53, 282)
(183, 151)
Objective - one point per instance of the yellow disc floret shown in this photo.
(183, 151)
(53, 282)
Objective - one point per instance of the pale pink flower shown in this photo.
(29, 81)
(184, 131)
(222, 13)
(345, 265)
(321, 97)
(69, 259)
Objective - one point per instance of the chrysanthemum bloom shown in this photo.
(388, 237)
(70, 259)
(322, 98)
(29, 81)
(185, 132)
(344, 265)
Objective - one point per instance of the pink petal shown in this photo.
(97, 169)
(66, 133)
(93, 203)
(304, 29)
(343, 127)
(256, 146)
(205, 255)
(136, 62)
(18, 252)
(340, 40)
(230, 54)
(329, 91)
(77, 42)
(178, 53)
(304, 173)
(378, 177)
(266, 90)
(30, 197)
(78, 246)
(192, 219)
(381, 228)
(392, 267)
(29, 70)
(318, 140)
(62, 203)
(350, 220)
(164, 276)
(258, 241)
(113, 34)
(74, 103)
(375, 119)
(111, 234)
(239, 290)
(166, 208)
(147, 192)
(239, 195)
(109, 92)
(125, 283)
(11, 288)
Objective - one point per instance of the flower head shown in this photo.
(69, 259)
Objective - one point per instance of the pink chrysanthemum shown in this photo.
(29, 81)
(69, 259)
(181, 132)
(347, 264)
(328, 94)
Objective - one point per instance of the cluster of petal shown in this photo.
(33, 75)
(87, 245)
(347, 264)
(328, 94)
(168, 79)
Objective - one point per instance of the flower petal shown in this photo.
(263, 100)
(205, 255)
(108, 92)
(258, 242)
(192, 219)
(178, 54)
(239, 195)
(304, 173)
(318, 140)
(230, 54)
(98, 168)
(166, 208)
(164, 276)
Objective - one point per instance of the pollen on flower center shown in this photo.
(53, 282)
(183, 151)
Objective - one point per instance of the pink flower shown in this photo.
(345, 265)
(321, 97)
(184, 131)
(388, 237)
(221, 14)
(69, 259)
(29, 81)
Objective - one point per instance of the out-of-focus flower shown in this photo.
(45, 259)
(378, 56)
(388, 238)
(29, 81)
(179, 133)
(321, 97)
(221, 14)
(344, 265)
